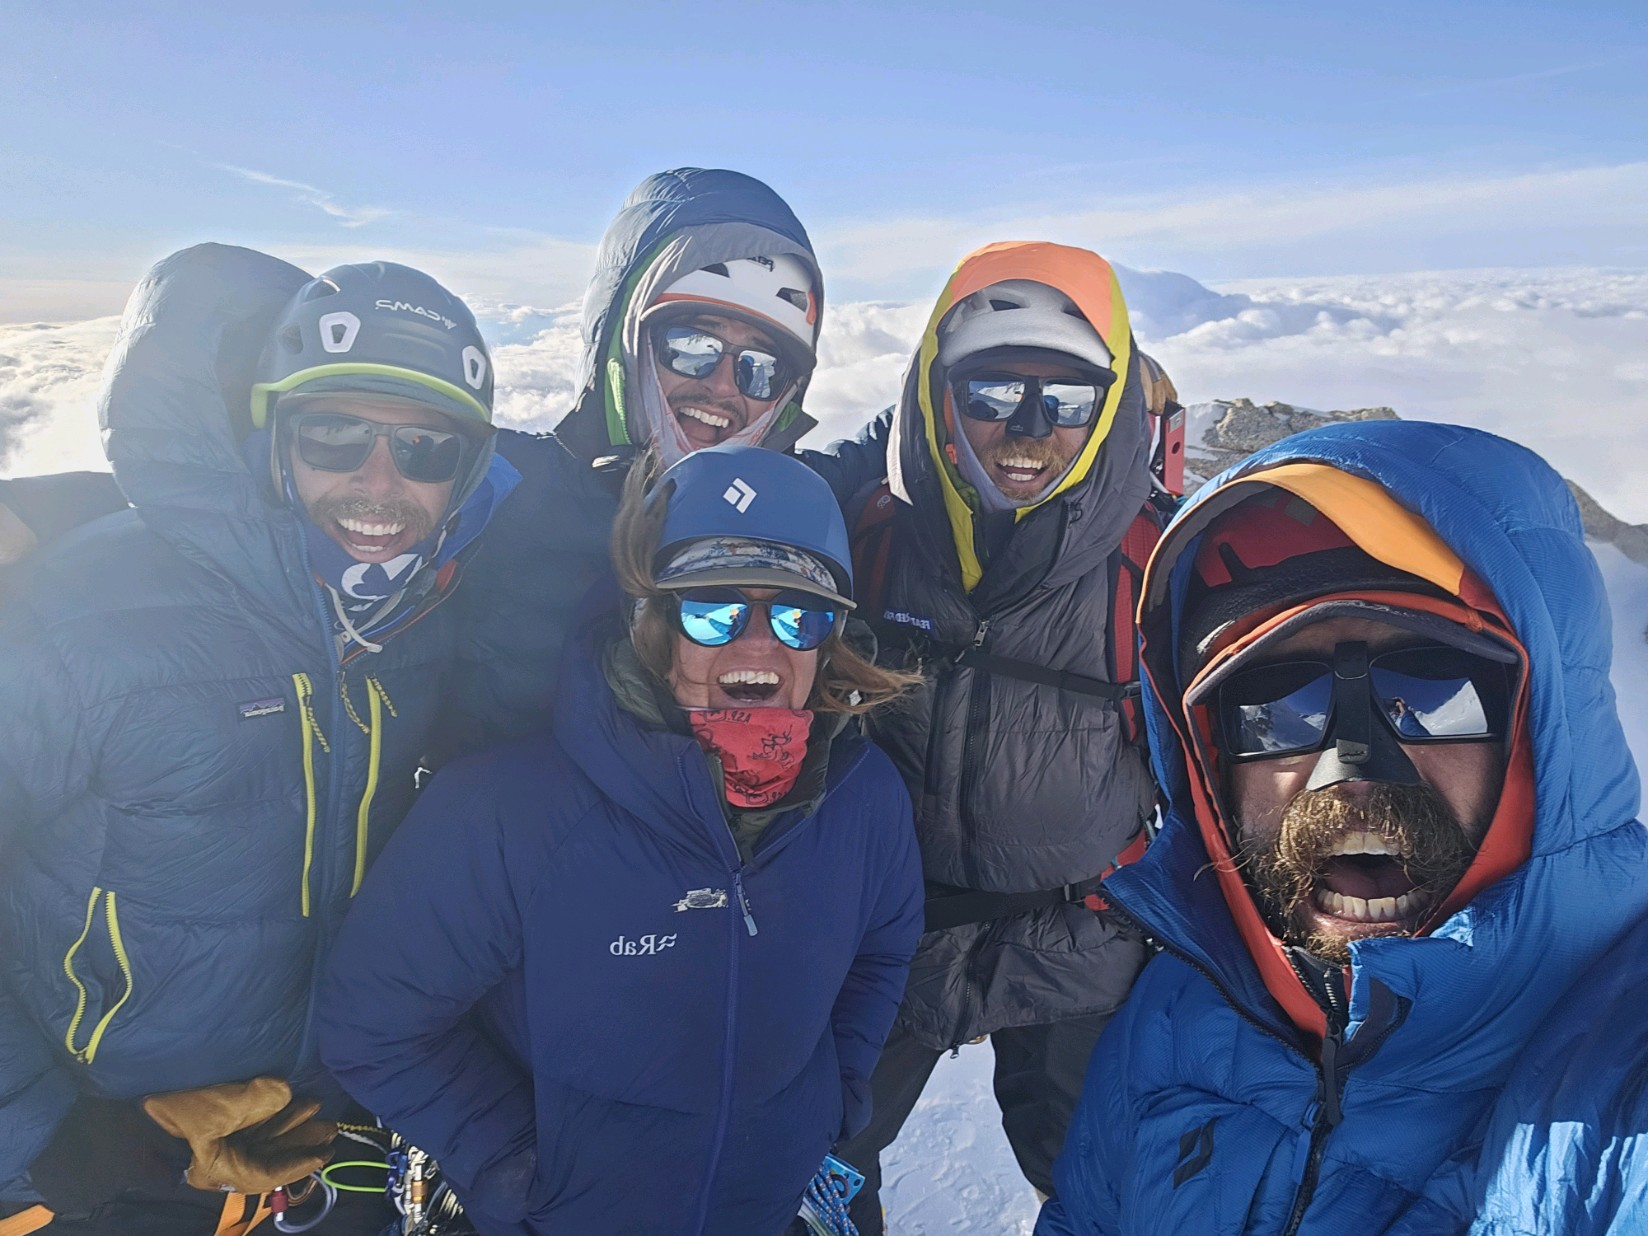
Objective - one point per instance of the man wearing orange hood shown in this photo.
(1400, 822)
(994, 563)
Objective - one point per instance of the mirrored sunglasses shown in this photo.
(714, 617)
(997, 397)
(694, 353)
(337, 442)
(1432, 693)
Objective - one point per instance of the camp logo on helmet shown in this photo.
(739, 495)
(401, 306)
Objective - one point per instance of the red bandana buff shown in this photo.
(760, 749)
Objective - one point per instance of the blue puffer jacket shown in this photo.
(192, 785)
(1566, 1151)
(1206, 1108)
(677, 1038)
(549, 542)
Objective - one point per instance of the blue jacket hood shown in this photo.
(1512, 521)
(672, 222)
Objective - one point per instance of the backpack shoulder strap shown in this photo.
(1127, 565)
(870, 532)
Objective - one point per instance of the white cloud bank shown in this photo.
(1557, 359)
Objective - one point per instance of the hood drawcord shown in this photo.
(349, 627)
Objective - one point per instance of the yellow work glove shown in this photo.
(247, 1137)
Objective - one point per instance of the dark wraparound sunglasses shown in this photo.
(714, 617)
(694, 353)
(1432, 693)
(337, 442)
(997, 396)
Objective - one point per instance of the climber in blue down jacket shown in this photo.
(633, 975)
(1365, 925)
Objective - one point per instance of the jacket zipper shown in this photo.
(377, 699)
(86, 1054)
(312, 734)
(1324, 1117)
(1324, 1113)
(972, 772)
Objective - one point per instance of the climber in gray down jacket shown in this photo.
(1017, 470)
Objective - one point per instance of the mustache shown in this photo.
(1041, 451)
(1429, 840)
(386, 510)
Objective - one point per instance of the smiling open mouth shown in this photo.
(715, 420)
(1020, 470)
(1364, 880)
(749, 686)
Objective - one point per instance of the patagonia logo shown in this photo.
(262, 708)
(702, 899)
(645, 946)
(1195, 1153)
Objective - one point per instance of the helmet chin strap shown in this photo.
(1362, 747)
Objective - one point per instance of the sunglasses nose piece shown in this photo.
(1031, 419)
(1380, 759)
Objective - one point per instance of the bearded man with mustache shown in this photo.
(1399, 825)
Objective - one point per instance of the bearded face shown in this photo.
(1357, 859)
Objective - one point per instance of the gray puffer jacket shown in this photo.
(1018, 786)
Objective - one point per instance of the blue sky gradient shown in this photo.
(1229, 140)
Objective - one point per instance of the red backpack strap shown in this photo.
(871, 534)
(1127, 565)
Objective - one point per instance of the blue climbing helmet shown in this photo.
(741, 494)
(378, 328)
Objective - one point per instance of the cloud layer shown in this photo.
(1557, 359)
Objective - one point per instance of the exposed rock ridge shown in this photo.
(1233, 429)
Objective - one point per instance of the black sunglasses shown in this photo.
(694, 353)
(713, 617)
(998, 396)
(337, 442)
(1431, 693)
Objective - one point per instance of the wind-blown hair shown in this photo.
(846, 680)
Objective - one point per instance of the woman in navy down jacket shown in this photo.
(633, 976)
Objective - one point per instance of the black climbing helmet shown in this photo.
(378, 328)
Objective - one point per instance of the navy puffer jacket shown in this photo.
(676, 1038)
(191, 785)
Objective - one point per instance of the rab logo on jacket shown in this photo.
(645, 946)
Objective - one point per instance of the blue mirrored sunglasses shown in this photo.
(713, 617)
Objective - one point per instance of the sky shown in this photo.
(492, 141)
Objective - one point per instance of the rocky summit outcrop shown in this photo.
(1223, 432)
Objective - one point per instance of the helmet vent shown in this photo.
(718, 268)
(318, 288)
(796, 297)
(292, 340)
(1005, 304)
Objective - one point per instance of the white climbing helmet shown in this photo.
(773, 292)
(1019, 313)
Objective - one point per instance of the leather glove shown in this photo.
(246, 1137)
(103, 1148)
